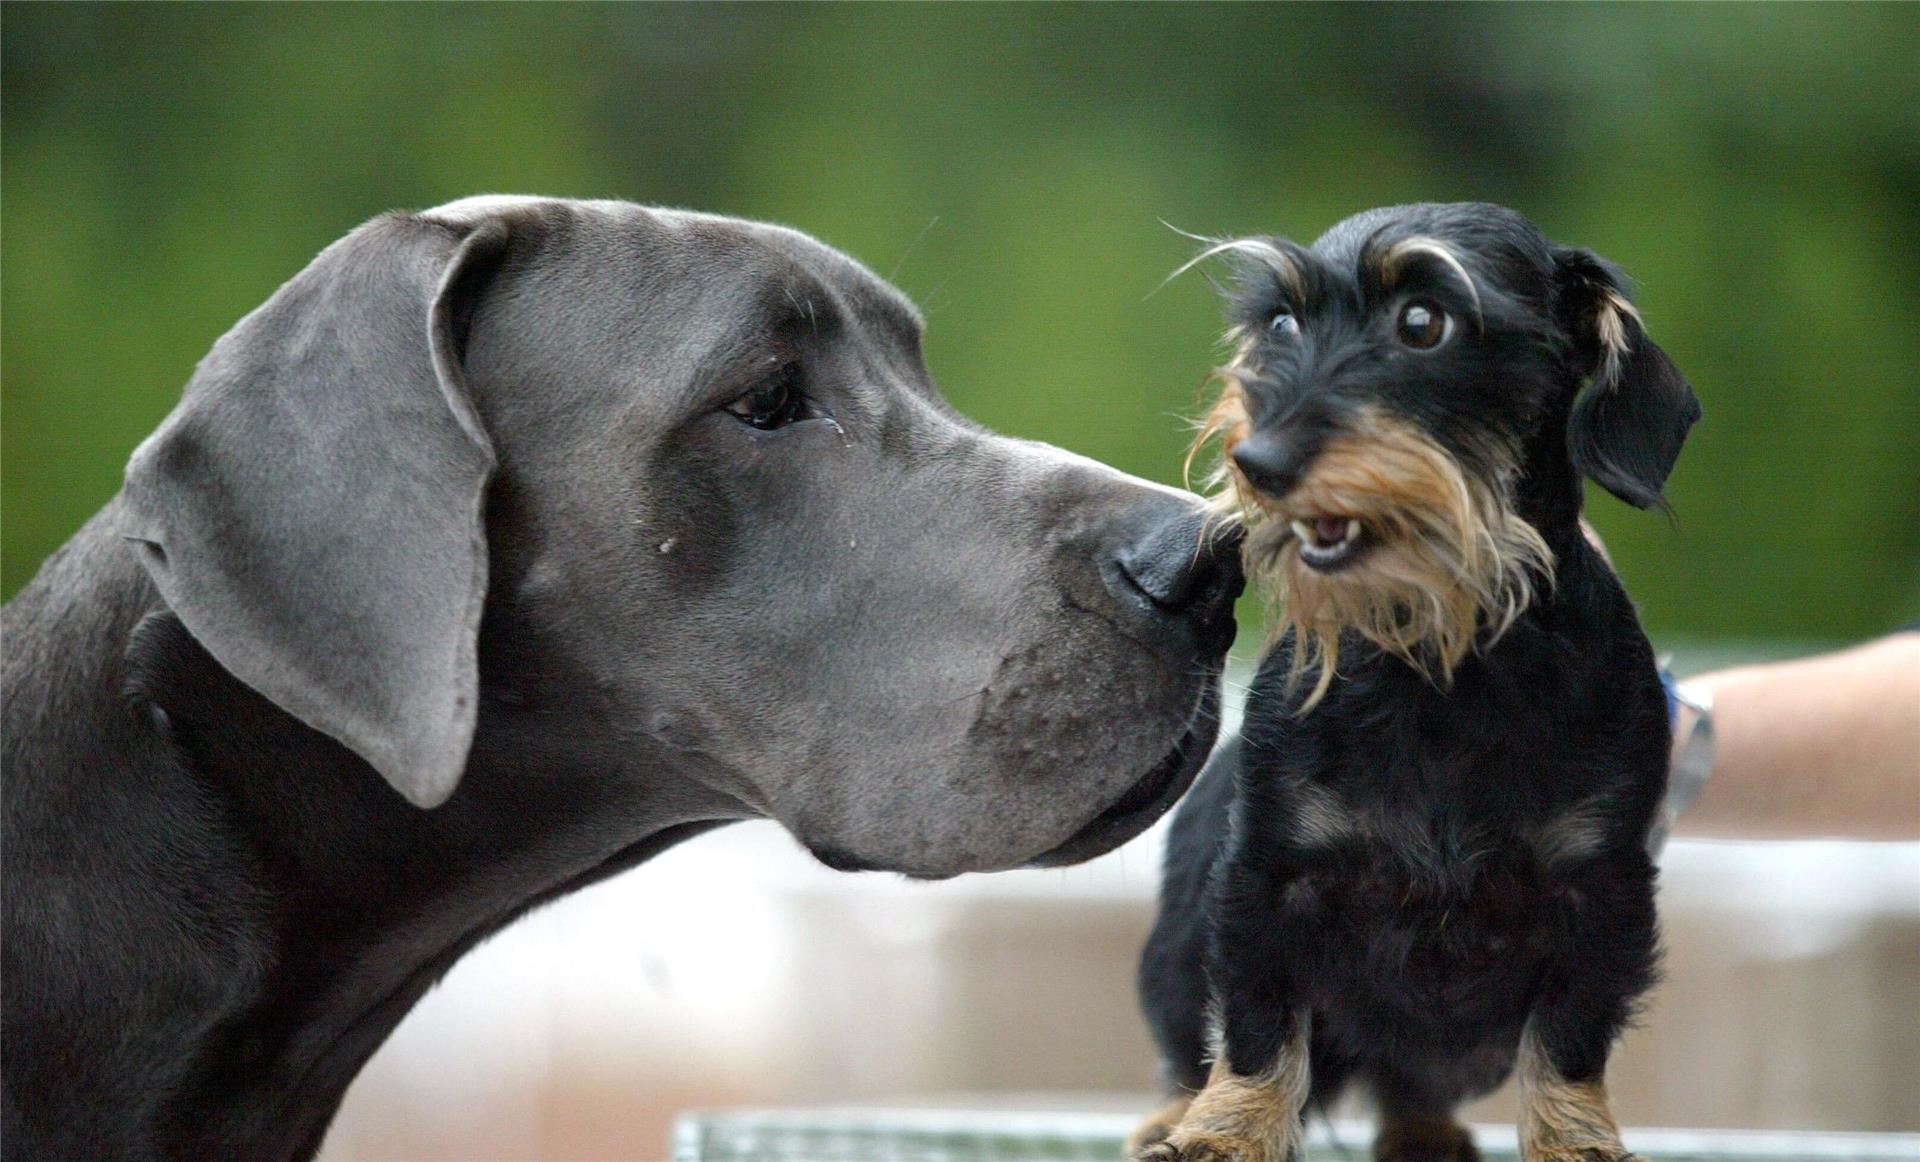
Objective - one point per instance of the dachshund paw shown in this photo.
(1424, 1140)
(1428, 1152)
(1147, 1134)
(1431, 1153)
(1159, 1125)
(1186, 1146)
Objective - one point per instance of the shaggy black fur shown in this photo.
(1428, 869)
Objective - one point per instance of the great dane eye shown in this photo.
(1284, 324)
(774, 404)
(1422, 325)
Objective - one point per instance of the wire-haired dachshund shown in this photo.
(1426, 856)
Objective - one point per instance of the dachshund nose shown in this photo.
(1187, 569)
(1273, 461)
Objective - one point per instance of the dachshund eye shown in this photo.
(774, 404)
(1284, 324)
(1422, 325)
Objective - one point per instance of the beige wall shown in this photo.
(734, 971)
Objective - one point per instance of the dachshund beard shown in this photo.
(1445, 567)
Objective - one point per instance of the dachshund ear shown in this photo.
(1628, 426)
(312, 509)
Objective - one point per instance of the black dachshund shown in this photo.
(1426, 856)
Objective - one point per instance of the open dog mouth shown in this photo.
(1150, 797)
(1328, 541)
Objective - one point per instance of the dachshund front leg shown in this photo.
(1250, 1110)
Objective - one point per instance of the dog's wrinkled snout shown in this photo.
(1273, 461)
(1186, 567)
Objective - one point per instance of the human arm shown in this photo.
(1818, 747)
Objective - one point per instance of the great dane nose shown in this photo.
(1186, 567)
(1273, 462)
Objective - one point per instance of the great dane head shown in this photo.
(674, 492)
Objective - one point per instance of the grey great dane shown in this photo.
(507, 545)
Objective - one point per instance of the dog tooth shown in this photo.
(1353, 531)
(1301, 530)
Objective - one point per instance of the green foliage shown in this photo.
(1756, 168)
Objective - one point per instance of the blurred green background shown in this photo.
(1756, 168)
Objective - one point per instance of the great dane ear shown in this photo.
(312, 509)
(1628, 426)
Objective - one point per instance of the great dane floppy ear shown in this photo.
(312, 509)
(1627, 428)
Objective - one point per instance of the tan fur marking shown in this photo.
(1561, 1120)
(1610, 324)
(1274, 257)
(1450, 560)
(1225, 421)
(1397, 254)
(1575, 834)
(1321, 817)
(1243, 1119)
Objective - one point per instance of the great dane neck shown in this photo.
(339, 903)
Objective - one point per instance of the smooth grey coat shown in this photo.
(477, 565)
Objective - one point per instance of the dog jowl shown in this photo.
(1425, 858)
